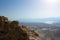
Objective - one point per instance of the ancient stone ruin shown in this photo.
(11, 30)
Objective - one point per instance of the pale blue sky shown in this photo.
(30, 9)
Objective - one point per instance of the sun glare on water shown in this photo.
(49, 22)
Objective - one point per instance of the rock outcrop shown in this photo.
(11, 30)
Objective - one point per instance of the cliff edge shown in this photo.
(11, 30)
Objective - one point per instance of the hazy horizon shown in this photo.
(30, 9)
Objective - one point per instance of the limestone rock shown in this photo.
(11, 30)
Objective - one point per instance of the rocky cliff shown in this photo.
(11, 30)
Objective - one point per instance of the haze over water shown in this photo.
(30, 9)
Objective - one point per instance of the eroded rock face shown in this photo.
(13, 31)
(31, 33)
